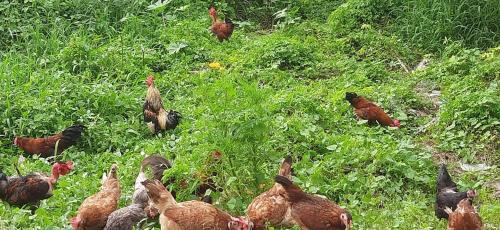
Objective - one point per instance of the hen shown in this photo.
(127, 218)
(32, 188)
(223, 30)
(448, 194)
(271, 208)
(190, 215)
(94, 211)
(312, 212)
(155, 116)
(464, 217)
(367, 110)
(46, 146)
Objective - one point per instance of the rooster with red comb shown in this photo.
(32, 188)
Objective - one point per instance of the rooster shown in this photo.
(190, 215)
(155, 116)
(464, 217)
(448, 195)
(46, 146)
(271, 207)
(32, 188)
(367, 110)
(94, 211)
(223, 30)
(313, 212)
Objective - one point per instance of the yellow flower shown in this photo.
(214, 65)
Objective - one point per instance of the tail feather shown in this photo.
(293, 192)
(286, 167)
(158, 165)
(73, 133)
(173, 119)
(444, 179)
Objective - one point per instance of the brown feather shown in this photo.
(189, 215)
(310, 211)
(94, 211)
(271, 208)
(367, 110)
(464, 217)
(29, 189)
(45, 146)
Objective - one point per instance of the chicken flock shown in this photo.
(284, 205)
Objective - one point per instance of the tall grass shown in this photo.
(430, 24)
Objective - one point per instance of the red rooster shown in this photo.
(155, 115)
(223, 30)
(367, 110)
(46, 146)
(32, 188)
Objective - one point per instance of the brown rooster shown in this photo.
(155, 115)
(464, 217)
(190, 215)
(32, 188)
(367, 110)
(94, 211)
(448, 195)
(223, 30)
(271, 207)
(312, 212)
(46, 146)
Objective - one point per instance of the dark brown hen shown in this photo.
(32, 188)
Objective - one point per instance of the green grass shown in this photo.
(279, 92)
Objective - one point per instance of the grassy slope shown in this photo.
(277, 94)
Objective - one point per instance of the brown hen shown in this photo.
(464, 217)
(312, 212)
(94, 211)
(190, 215)
(222, 30)
(271, 208)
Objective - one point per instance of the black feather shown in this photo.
(173, 119)
(349, 96)
(73, 133)
(444, 179)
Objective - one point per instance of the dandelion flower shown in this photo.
(214, 65)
